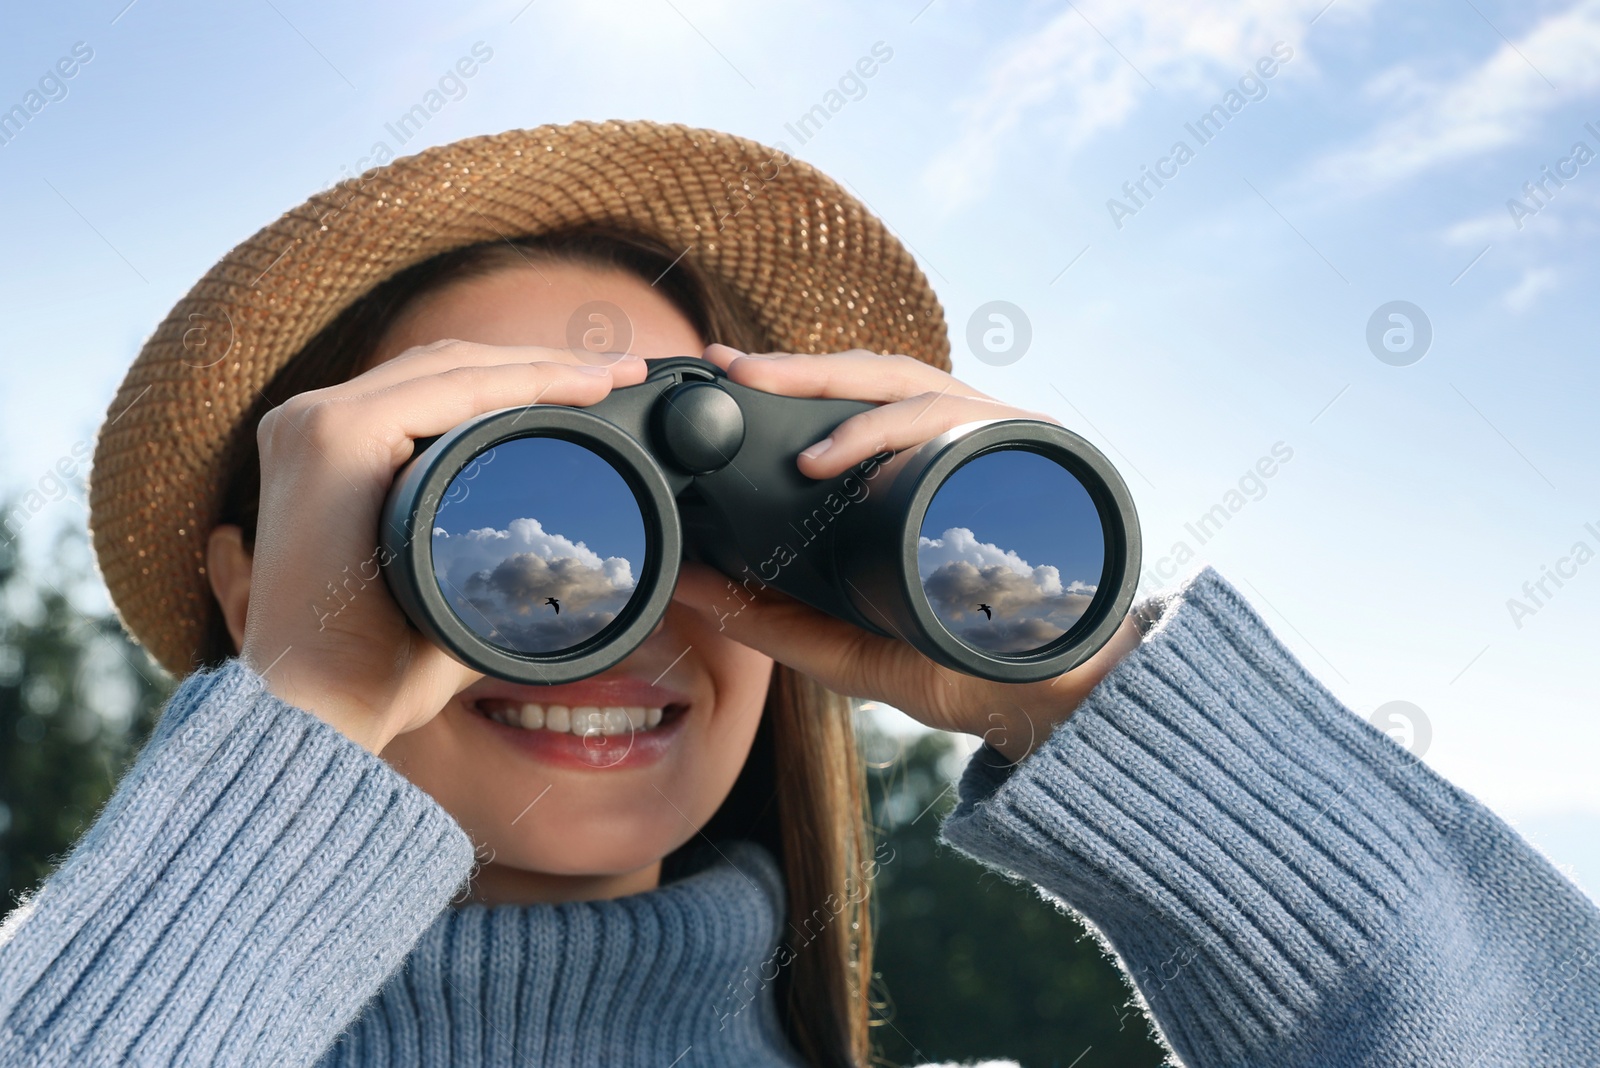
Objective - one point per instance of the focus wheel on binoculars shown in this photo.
(699, 426)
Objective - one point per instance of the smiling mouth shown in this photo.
(584, 721)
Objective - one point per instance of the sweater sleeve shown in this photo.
(1284, 884)
(248, 887)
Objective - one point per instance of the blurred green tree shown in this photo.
(971, 965)
(76, 700)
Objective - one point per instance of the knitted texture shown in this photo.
(249, 886)
(682, 974)
(1285, 884)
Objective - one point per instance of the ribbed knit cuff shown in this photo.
(251, 883)
(1239, 837)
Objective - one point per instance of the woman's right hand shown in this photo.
(328, 458)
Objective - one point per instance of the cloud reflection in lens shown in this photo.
(1011, 552)
(537, 545)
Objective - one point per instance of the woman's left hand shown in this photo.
(916, 402)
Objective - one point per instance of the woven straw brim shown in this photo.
(821, 272)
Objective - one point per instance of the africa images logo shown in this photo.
(1251, 88)
(51, 88)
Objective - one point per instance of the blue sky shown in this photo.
(1225, 318)
(571, 492)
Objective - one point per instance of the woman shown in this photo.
(341, 845)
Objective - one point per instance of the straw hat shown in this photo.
(818, 268)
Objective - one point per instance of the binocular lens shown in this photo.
(538, 545)
(1012, 552)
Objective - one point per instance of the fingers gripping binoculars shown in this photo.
(541, 544)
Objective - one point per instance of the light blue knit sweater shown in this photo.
(1283, 883)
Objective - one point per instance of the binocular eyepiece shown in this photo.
(541, 544)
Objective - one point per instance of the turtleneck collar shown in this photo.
(679, 975)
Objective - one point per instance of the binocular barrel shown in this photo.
(541, 544)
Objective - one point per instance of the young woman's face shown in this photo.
(547, 804)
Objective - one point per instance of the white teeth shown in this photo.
(583, 721)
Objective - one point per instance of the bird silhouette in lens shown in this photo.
(553, 603)
(987, 614)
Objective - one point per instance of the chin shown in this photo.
(537, 798)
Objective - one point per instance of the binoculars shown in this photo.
(541, 544)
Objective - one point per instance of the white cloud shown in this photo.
(498, 581)
(1492, 105)
(1069, 69)
(1478, 229)
(1571, 217)
(1028, 605)
(959, 543)
(1520, 297)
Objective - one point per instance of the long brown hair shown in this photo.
(801, 793)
